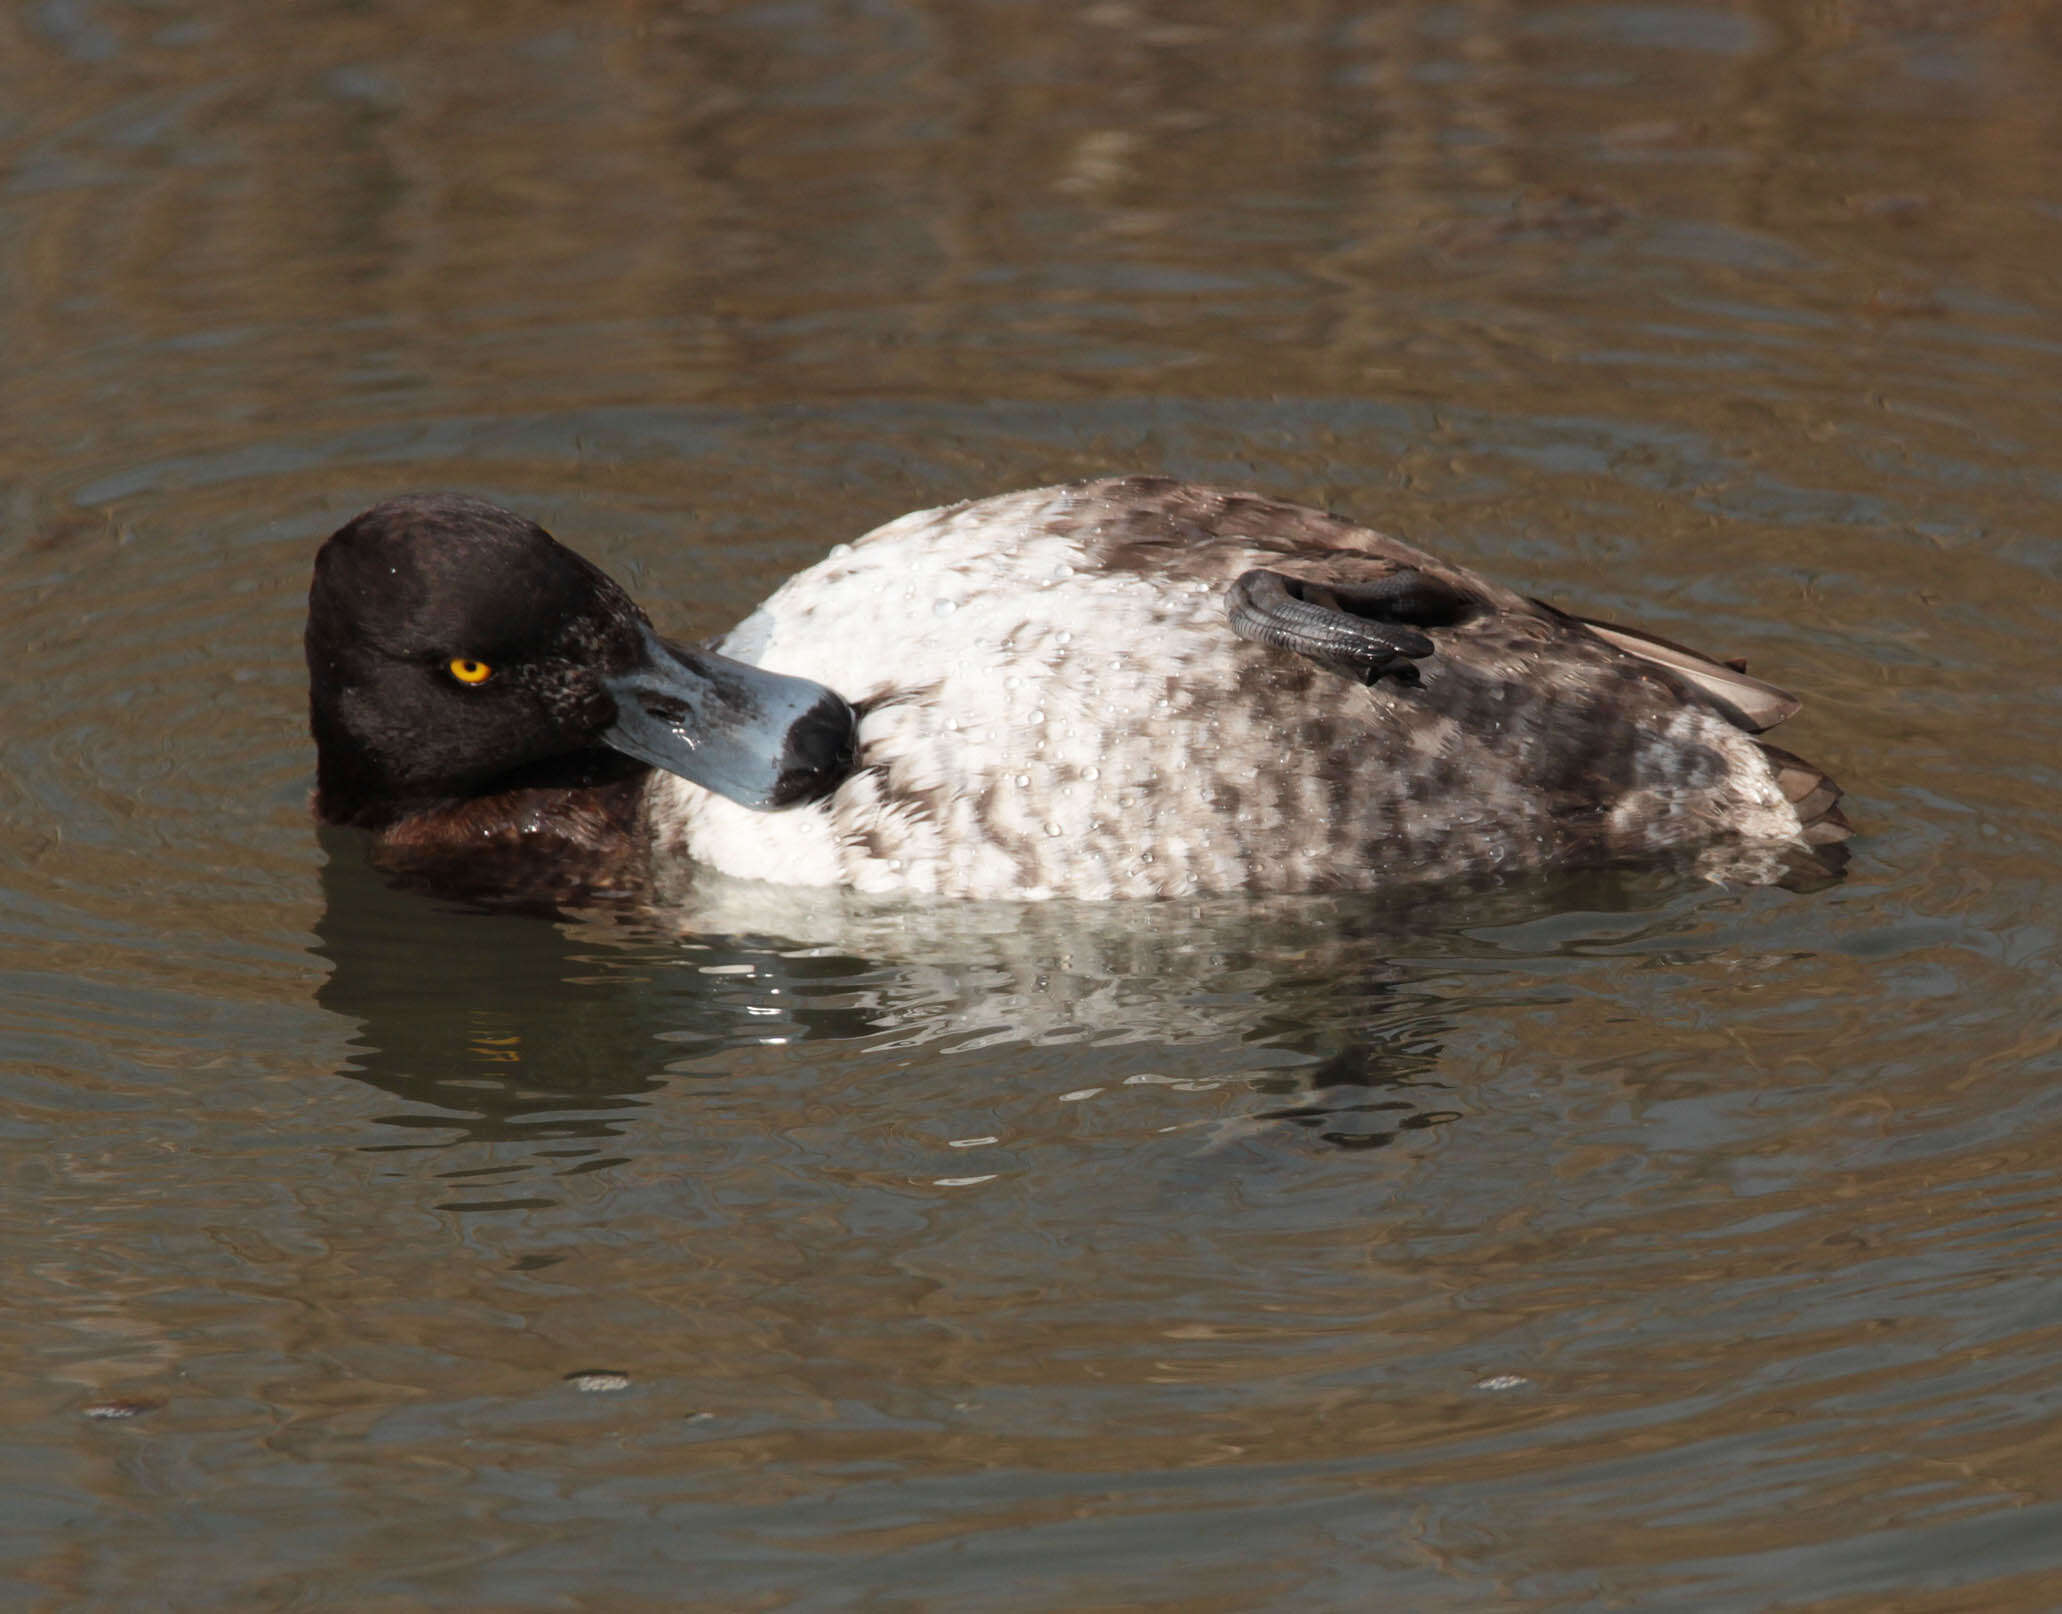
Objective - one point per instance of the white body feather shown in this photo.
(1039, 722)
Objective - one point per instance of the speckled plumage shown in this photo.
(1053, 704)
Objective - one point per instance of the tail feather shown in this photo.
(1751, 704)
(1815, 796)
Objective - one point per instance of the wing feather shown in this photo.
(1750, 702)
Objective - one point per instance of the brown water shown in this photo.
(1610, 1242)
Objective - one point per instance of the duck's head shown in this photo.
(456, 650)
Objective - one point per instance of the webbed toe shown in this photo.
(1363, 631)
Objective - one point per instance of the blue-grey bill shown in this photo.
(763, 739)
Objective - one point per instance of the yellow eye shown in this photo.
(468, 671)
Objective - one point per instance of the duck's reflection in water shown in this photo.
(556, 1034)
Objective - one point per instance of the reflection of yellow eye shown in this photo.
(468, 671)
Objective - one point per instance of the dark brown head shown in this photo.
(456, 650)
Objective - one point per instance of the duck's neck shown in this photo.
(352, 789)
(553, 833)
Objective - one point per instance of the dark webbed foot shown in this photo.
(1364, 631)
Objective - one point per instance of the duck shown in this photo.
(1124, 687)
